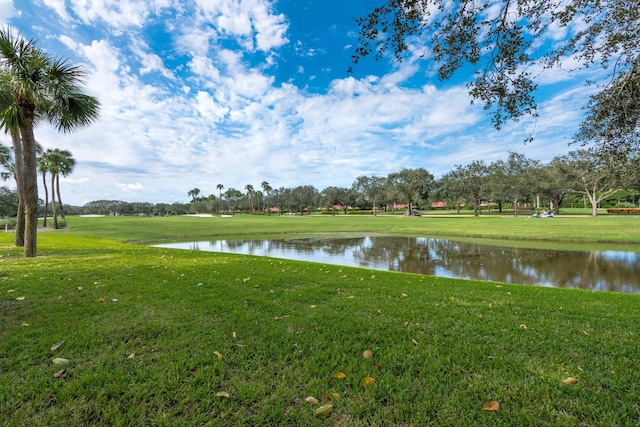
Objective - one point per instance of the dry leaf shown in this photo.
(324, 410)
(57, 345)
(312, 400)
(102, 299)
(492, 405)
(60, 361)
(367, 354)
(217, 354)
(26, 323)
(223, 394)
(367, 381)
(570, 381)
(131, 356)
(523, 326)
(340, 375)
(414, 341)
(313, 306)
(60, 374)
(336, 395)
(20, 298)
(234, 335)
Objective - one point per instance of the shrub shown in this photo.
(618, 211)
(8, 224)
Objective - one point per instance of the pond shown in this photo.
(609, 268)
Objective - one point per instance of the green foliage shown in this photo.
(503, 41)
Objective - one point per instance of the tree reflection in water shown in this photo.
(588, 269)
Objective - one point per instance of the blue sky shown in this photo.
(197, 93)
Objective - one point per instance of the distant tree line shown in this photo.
(582, 177)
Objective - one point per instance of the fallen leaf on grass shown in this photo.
(57, 345)
(223, 394)
(26, 323)
(340, 375)
(367, 381)
(492, 405)
(234, 335)
(312, 400)
(312, 306)
(132, 356)
(60, 361)
(324, 410)
(218, 355)
(20, 298)
(523, 326)
(60, 374)
(335, 395)
(570, 381)
(367, 354)
(414, 341)
(102, 299)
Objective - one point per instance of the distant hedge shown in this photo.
(623, 211)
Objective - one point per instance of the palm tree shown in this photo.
(249, 189)
(66, 166)
(193, 193)
(36, 87)
(220, 187)
(266, 188)
(59, 162)
(43, 167)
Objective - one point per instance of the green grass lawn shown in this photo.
(169, 337)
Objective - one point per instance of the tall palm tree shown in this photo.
(68, 163)
(36, 87)
(59, 162)
(250, 190)
(43, 167)
(220, 187)
(266, 188)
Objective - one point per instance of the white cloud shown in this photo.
(130, 187)
(251, 22)
(7, 10)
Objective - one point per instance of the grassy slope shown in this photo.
(442, 348)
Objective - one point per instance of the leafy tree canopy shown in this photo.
(508, 43)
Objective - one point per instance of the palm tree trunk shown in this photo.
(46, 198)
(54, 212)
(18, 172)
(29, 184)
(59, 199)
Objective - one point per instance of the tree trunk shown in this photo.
(59, 199)
(30, 184)
(19, 172)
(515, 207)
(46, 198)
(54, 211)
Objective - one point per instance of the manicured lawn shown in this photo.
(168, 337)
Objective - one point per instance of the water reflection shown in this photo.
(599, 270)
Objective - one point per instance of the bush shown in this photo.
(624, 211)
(8, 224)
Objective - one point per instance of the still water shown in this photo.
(604, 269)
